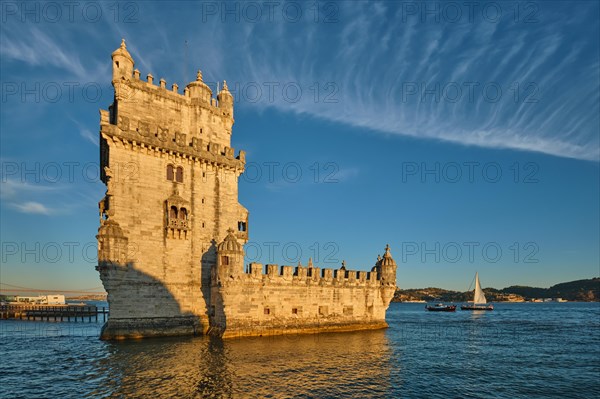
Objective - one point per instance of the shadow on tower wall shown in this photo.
(142, 306)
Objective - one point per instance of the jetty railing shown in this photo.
(70, 313)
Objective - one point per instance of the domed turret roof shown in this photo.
(230, 243)
(225, 90)
(122, 51)
(387, 259)
(110, 228)
(199, 82)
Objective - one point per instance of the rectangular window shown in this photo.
(294, 310)
(225, 260)
(267, 311)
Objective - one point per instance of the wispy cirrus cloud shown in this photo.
(529, 87)
(39, 48)
(504, 84)
(32, 207)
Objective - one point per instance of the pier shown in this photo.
(69, 313)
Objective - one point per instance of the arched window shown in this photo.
(173, 213)
(179, 175)
(183, 214)
(170, 172)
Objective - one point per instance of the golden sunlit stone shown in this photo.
(170, 251)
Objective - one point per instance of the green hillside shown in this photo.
(580, 290)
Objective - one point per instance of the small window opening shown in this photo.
(170, 172)
(225, 260)
(267, 311)
(179, 175)
(294, 310)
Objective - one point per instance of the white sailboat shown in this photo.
(479, 301)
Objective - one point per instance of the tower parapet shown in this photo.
(195, 112)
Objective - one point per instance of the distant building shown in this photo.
(170, 242)
(41, 299)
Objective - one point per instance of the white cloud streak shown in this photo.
(547, 100)
(32, 208)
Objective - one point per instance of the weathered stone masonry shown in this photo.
(170, 242)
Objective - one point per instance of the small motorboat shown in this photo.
(440, 307)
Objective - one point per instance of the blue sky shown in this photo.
(465, 136)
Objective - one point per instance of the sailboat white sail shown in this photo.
(479, 297)
(479, 301)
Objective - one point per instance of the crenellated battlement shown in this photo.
(275, 274)
(154, 137)
(195, 111)
(204, 98)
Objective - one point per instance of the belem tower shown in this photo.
(171, 235)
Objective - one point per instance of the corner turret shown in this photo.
(112, 245)
(225, 100)
(386, 273)
(387, 268)
(230, 257)
(122, 63)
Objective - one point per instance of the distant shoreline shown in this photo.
(573, 291)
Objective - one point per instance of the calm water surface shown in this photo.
(516, 351)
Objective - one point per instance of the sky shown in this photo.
(464, 135)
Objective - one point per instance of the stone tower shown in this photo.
(171, 235)
(172, 195)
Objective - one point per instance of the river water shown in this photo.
(520, 350)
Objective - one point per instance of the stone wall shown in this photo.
(287, 300)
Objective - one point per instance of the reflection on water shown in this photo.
(322, 365)
(516, 351)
